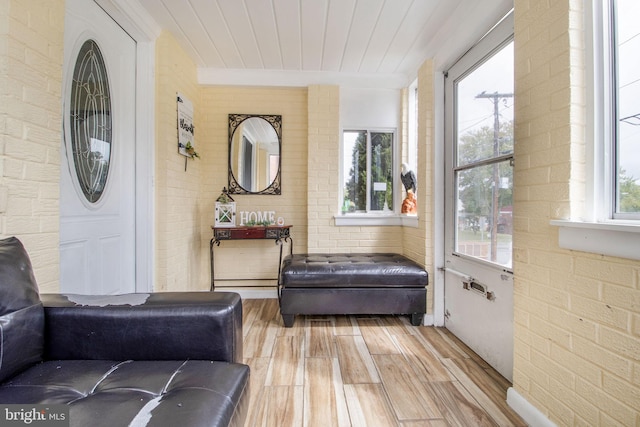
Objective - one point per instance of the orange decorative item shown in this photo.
(410, 204)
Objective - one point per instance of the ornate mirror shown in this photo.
(254, 153)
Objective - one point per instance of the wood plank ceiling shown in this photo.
(367, 38)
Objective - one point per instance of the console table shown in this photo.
(279, 234)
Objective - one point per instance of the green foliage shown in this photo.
(476, 185)
(629, 191)
(355, 190)
(356, 186)
(382, 169)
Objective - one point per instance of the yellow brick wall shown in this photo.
(253, 259)
(31, 56)
(179, 240)
(418, 243)
(577, 315)
(323, 185)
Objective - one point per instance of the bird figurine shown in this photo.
(408, 178)
(410, 204)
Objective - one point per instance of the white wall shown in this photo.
(370, 108)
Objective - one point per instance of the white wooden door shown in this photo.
(479, 196)
(97, 182)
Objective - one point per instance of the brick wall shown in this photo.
(253, 259)
(323, 186)
(577, 315)
(418, 244)
(179, 240)
(31, 56)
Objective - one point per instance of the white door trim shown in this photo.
(134, 19)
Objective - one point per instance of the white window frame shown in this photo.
(597, 231)
(372, 218)
(412, 126)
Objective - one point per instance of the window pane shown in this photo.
(90, 116)
(484, 184)
(628, 81)
(355, 171)
(484, 215)
(485, 109)
(381, 171)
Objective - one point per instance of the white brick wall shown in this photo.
(31, 56)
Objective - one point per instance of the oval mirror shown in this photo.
(254, 153)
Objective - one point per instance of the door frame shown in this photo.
(143, 29)
(492, 336)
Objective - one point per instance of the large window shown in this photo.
(483, 160)
(368, 171)
(624, 36)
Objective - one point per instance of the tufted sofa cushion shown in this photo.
(141, 393)
(21, 312)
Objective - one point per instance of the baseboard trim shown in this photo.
(428, 320)
(253, 293)
(526, 410)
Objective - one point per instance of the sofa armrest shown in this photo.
(157, 326)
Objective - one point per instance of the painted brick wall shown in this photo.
(31, 56)
(418, 243)
(577, 315)
(253, 259)
(179, 240)
(323, 187)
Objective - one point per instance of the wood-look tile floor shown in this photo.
(365, 371)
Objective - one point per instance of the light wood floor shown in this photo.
(365, 371)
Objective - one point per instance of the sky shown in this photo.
(493, 76)
(629, 84)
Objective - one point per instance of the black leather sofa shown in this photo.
(341, 283)
(164, 359)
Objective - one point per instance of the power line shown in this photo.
(495, 98)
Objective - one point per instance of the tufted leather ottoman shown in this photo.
(384, 283)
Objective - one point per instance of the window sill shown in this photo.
(619, 238)
(364, 220)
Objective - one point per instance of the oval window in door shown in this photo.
(90, 121)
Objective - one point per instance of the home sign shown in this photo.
(257, 218)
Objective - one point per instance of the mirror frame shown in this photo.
(276, 122)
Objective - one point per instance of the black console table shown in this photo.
(277, 233)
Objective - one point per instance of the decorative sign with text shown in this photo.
(186, 138)
(251, 218)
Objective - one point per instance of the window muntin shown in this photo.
(483, 169)
(368, 171)
(625, 45)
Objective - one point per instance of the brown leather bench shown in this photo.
(379, 283)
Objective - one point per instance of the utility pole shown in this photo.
(495, 98)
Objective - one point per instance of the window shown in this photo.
(610, 222)
(483, 159)
(624, 37)
(368, 171)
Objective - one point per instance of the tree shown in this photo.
(629, 191)
(476, 184)
(381, 170)
(355, 189)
